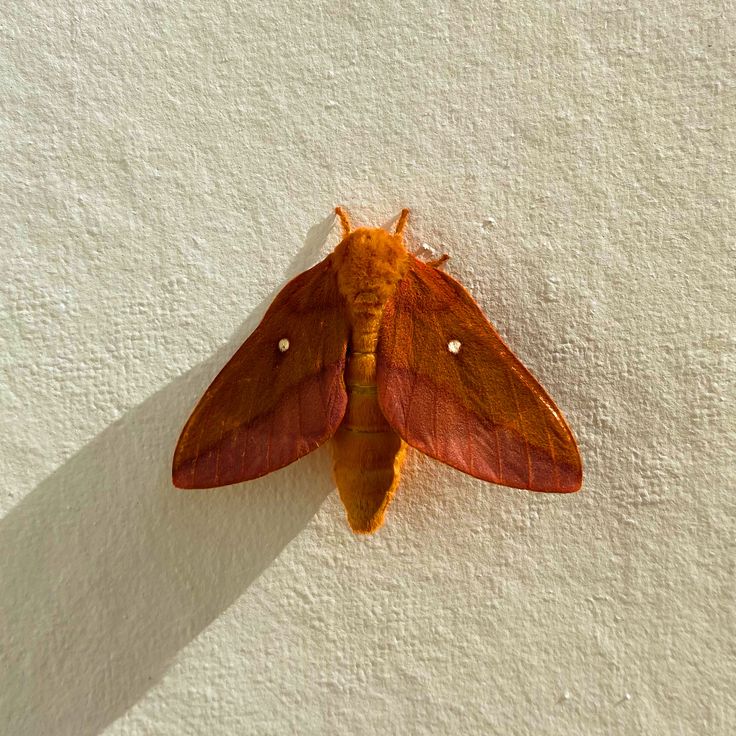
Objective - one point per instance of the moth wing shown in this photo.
(479, 409)
(269, 407)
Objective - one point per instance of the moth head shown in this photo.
(370, 256)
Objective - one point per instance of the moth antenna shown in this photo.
(403, 218)
(437, 262)
(344, 221)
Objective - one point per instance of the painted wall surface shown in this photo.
(167, 166)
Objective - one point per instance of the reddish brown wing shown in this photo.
(267, 408)
(478, 410)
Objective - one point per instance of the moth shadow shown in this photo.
(108, 570)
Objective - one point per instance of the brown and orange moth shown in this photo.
(376, 350)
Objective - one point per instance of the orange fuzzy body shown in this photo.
(377, 351)
(367, 453)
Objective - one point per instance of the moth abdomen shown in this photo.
(366, 468)
(367, 453)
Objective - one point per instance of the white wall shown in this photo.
(167, 166)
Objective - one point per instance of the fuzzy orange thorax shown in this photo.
(370, 262)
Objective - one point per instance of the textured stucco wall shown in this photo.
(166, 166)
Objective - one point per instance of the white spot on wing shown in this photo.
(283, 344)
(454, 346)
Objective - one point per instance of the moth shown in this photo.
(376, 350)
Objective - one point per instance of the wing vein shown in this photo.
(498, 450)
(413, 375)
(552, 450)
(523, 429)
(299, 407)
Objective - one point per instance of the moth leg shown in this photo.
(437, 262)
(344, 221)
(429, 250)
(403, 218)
